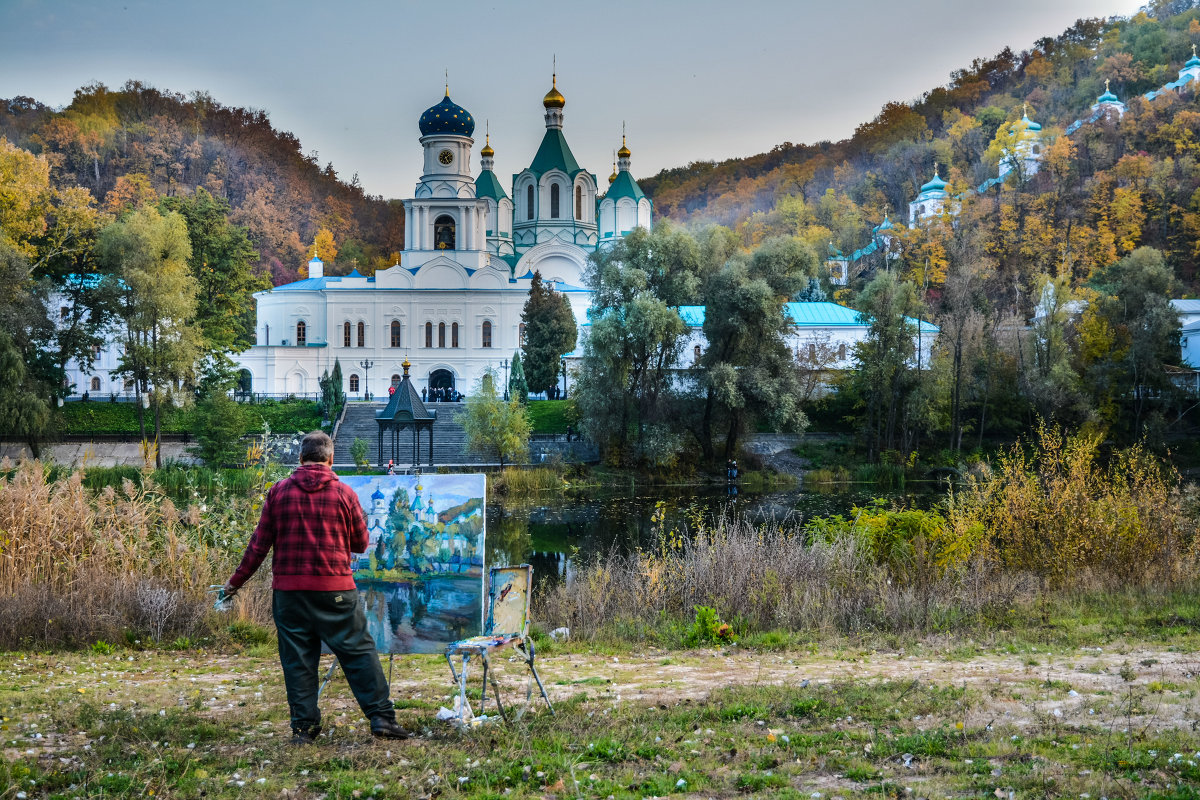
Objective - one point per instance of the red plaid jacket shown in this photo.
(314, 522)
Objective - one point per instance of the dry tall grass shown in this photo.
(1053, 518)
(76, 566)
(768, 577)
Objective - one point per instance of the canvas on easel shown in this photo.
(421, 578)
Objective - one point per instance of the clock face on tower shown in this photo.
(446, 157)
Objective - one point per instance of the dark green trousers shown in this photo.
(303, 620)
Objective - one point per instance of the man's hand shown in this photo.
(230, 590)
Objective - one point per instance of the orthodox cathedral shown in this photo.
(452, 305)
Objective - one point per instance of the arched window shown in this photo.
(696, 353)
(443, 232)
(429, 334)
(842, 351)
(64, 312)
(529, 201)
(395, 380)
(95, 384)
(441, 334)
(521, 334)
(395, 333)
(353, 383)
(346, 334)
(812, 353)
(454, 335)
(554, 201)
(487, 334)
(578, 202)
(362, 334)
(301, 333)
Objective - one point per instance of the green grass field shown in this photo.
(117, 722)
(548, 416)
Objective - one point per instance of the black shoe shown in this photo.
(305, 735)
(388, 729)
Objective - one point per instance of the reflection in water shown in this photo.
(421, 616)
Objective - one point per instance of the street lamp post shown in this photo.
(366, 368)
(564, 368)
(504, 364)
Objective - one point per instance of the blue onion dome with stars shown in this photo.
(447, 117)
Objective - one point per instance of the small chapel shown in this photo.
(452, 304)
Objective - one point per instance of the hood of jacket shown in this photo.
(313, 477)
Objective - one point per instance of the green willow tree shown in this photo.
(162, 343)
(626, 382)
(550, 333)
(23, 410)
(223, 264)
(748, 373)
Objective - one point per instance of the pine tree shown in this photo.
(337, 381)
(549, 334)
(518, 389)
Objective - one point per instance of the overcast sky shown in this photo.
(692, 79)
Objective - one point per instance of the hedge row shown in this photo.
(95, 417)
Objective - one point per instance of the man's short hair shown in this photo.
(316, 448)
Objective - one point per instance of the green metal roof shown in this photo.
(625, 186)
(488, 185)
(820, 314)
(554, 153)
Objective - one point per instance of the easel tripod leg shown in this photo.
(328, 677)
(483, 685)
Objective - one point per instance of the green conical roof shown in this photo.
(625, 186)
(554, 153)
(488, 185)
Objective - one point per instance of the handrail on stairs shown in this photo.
(337, 426)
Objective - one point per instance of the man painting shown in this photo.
(315, 522)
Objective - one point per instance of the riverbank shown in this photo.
(929, 720)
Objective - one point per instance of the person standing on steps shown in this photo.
(314, 522)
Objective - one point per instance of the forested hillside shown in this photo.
(139, 144)
(1103, 191)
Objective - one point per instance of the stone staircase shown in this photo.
(449, 437)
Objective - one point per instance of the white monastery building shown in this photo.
(452, 305)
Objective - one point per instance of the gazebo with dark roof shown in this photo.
(405, 410)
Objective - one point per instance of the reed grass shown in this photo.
(516, 483)
(78, 565)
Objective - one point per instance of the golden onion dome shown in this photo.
(624, 151)
(612, 177)
(554, 98)
(487, 151)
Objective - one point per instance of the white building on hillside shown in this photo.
(823, 335)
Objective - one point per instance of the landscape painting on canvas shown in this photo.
(421, 577)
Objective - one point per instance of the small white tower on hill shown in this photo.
(930, 201)
(1028, 148)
